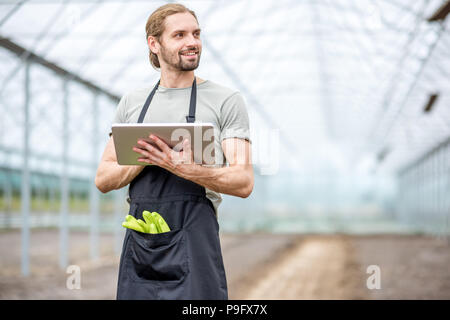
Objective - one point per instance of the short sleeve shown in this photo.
(120, 117)
(234, 118)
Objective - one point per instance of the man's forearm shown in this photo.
(233, 180)
(112, 176)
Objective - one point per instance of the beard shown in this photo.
(175, 60)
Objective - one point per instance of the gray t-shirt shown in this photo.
(221, 106)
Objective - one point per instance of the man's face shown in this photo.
(180, 44)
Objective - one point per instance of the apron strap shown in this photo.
(192, 104)
(147, 103)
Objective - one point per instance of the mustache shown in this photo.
(190, 49)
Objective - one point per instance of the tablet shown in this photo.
(200, 135)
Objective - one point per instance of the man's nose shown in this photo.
(192, 41)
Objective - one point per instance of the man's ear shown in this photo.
(153, 44)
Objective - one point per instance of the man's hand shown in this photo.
(179, 163)
(236, 179)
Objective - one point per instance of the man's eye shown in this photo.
(178, 35)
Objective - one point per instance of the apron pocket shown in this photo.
(157, 257)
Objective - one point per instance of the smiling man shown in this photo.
(185, 263)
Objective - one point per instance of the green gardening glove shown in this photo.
(152, 228)
(150, 221)
(137, 225)
(154, 223)
(155, 218)
(163, 227)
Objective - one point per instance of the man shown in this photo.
(185, 263)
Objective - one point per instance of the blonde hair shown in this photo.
(155, 25)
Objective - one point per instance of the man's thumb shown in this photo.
(186, 145)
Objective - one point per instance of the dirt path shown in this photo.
(47, 280)
(316, 268)
(335, 267)
(258, 266)
(412, 267)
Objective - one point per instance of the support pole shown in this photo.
(94, 196)
(25, 188)
(64, 213)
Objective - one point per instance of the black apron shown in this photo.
(185, 263)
